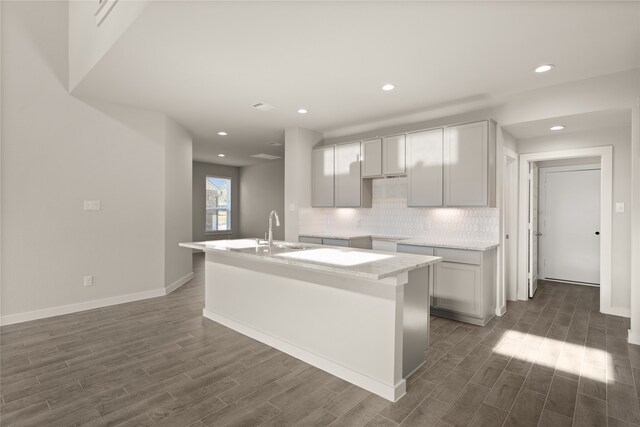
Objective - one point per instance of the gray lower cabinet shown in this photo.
(354, 242)
(464, 283)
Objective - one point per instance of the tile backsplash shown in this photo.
(390, 216)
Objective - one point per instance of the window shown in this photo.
(218, 205)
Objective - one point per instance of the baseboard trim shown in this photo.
(175, 285)
(617, 311)
(500, 311)
(389, 392)
(633, 338)
(81, 306)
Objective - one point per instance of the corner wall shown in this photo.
(261, 191)
(87, 42)
(297, 173)
(178, 262)
(57, 151)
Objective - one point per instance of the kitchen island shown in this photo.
(357, 314)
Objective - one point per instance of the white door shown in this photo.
(511, 227)
(533, 229)
(570, 225)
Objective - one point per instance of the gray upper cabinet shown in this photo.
(425, 168)
(322, 170)
(393, 155)
(371, 158)
(466, 165)
(348, 179)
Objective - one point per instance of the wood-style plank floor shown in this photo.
(551, 361)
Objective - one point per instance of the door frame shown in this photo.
(606, 205)
(542, 192)
(532, 231)
(510, 227)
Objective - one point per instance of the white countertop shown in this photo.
(467, 245)
(358, 263)
(341, 236)
(417, 241)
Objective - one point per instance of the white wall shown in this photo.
(88, 42)
(200, 173)
(634, 331)
(620, 139)
(261, 190)
(606, 92)
(58, 151)
(177, 181)
(297, 176)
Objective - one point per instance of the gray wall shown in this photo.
(261, 190)
(177, 202)
(57, 151)
(200, 173)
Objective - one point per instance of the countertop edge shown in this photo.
(482, 246)
(312, 266)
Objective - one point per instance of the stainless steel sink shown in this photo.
(290, 246)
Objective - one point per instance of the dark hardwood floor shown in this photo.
(551, 361)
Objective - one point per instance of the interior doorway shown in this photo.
(605, 156)
(569, 223)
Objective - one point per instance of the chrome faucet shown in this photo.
(271, 216)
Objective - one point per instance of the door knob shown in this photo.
(538, 234)
(597, 233)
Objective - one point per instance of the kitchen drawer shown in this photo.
(336, 242)
(411, 249)
(308, 239)
(384, 245)
(459, 256)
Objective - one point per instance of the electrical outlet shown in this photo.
(92, 205)
(292, 207)
(358, 223)
(88, 281)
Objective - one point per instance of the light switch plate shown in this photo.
(292, 207)
(92, 205)
(620, 207)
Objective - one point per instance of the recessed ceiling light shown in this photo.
(222, 133)
(302, 111)
(543, 68)
(220, 155)
(556, 127)
(388, 86)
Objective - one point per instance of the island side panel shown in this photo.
(415, 320)
(352, 328)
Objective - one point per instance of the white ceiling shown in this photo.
(205, 63)
(574, 123)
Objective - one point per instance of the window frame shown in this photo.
(230, 210)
